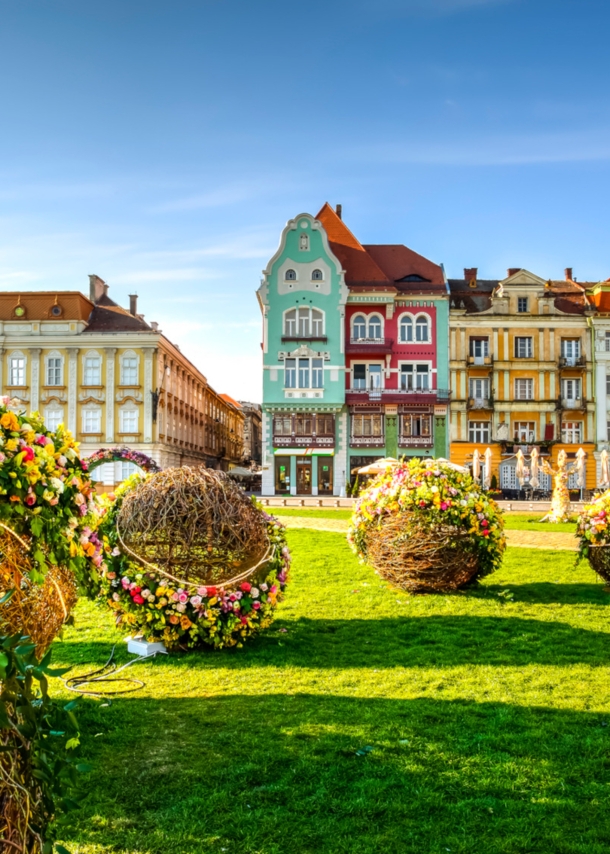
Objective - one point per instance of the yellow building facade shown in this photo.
(113, 380)
(521, 371)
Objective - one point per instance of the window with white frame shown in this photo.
(367, 425)
(304, 373)
(359, 327)
(367, 376)
(524, 389)
(570, 350)
(367, 328)
(127, 469)
(479, 388)
(317, 276)
(290, 276)
(508, 477)
(422, 328)
(304, 323)
(375, 327)
(479, 349)
(478, 431)
(129, 369)
(93, 370)
(413, 426)
(406, 328)
(571, 432)
(414, 377)
(128, 420)
(17, 370)
(53, 417)
(282, 425)
(54, 370)
(92, 420)
(524, 431)
(570, 389)
(523, 347)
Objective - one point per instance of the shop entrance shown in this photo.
(303, 475)
(325, 475)
(282, 475)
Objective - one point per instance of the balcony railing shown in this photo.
(572, 361)
(572, 403)
(310, 338)
(415, 442)
(480, 360)
(367, 441)
(480, 403)
(398, 395)
(310, 441)
(369, 345)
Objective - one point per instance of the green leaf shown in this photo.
(36, 526)
(72, 743)
(57, 671)
(7, 596)
(60, 849)
(84, 768)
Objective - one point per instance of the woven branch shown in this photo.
(195, 524)
(599, 558)
(37, 610)
(421, 559)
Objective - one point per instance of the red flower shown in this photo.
(138, 599)
(211, 591)
(485, 533)
(246, 587)
(30, 499)
(28, 454)
(243, 620)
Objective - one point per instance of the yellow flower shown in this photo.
(10, 422)
(11, 445)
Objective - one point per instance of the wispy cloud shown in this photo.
(429, 7)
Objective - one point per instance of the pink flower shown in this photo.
(264, 587)
(80, 499)
(243, 620)
(175, 597)
(484, 523)
(273, 589)
(195, 601)
(202, 591)
(54, 501)
(443, 505)
(256, 605)
(30, 499)
(116, 597)
(232, 597)
(28, 454)
(181, 607)
(183, 598)
(138, 599)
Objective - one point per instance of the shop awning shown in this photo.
(304, 452)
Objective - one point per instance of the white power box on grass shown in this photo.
(141, 647)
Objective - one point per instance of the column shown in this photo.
(314, 474)
(601, 403)
(72, 387)
(293, 474)
(110, 360)
(35, 378)
(149, 353)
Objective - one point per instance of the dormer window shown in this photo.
(290, 276)
(317, 276)
(522, 305)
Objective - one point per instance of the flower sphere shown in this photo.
(427, 526)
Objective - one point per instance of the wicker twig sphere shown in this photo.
(194, 524)
(418, 558)
(37, 610)
(599, 558)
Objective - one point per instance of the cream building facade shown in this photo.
(113, 380)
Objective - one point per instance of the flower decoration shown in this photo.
(110, 455)
(430, 501)
(149, 602)
(593, 532)
(46, 494)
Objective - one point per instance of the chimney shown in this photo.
(154, 325)
(568, 274)
(470, 274)
(97, 288)
(512, 270)
(133, 304)
(339, 211)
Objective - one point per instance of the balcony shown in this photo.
(415, 442)
(374, 346)
(309, 339)
(578, 403)
(480, 403)
(397, 395)
(297, 441)
(572, 362)
(480, 361)
(367, 442)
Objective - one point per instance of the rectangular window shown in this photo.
(290, 373)
(92, 371)
(406, 377)
(524, 389)
(374, 376)
(524, 431)
(479, 349)
(570, 389)
(54, 371)
(53, 418)
(17, 371)
(304, 373)
(92, 421)
(522, 305)
(129, 371)
(290, 324)
(422, 377)
(413, 426)
(367, 425)
(570, 350)
(523, 348)
(317, 324)
(303, 425)
(282, 425)
(325, 425)
(304, 326)
(571, 432)
(479, 388)
(359, 376)
(127, 469)
(129, 420)
(478, 431)
(317, 373)
(415, 377)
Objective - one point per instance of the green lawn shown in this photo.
(485, 717)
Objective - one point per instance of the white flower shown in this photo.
(255, 593)
(57, 484)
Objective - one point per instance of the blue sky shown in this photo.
(164, 144)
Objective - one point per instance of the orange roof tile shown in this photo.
(38, 305)
(229, 399)
(355, 260)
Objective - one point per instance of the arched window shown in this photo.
(422, 329)
(317, 276)
(359, 326)
(317, 323)
(406, 328)
(290, 276)
(290, 322)
(374, 326)
(304, 323)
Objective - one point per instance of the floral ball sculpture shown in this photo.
(593, 530)
(48, 512)
(190, 560)
(427, 527)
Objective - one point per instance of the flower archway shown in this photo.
(127, 455)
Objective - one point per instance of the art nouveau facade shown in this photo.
(521, 365)
(112, 379)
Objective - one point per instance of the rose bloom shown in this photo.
(138, 599)
(195, 601)
(246, 587)
(183, 598)
(111, 575)
(181, 607)
(264, 587)
(255, 593)
(116, 597)
(79, 499)
(202, 591)
(256, 605)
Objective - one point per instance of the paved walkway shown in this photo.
(556, 540)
